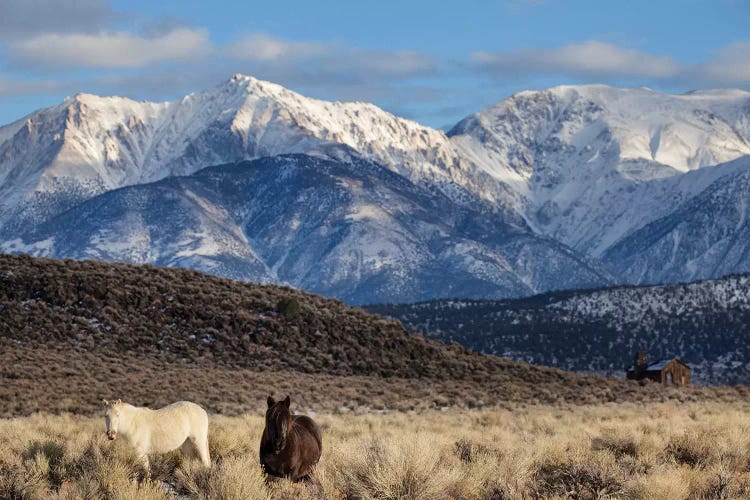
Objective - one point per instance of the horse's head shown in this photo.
(112, 417)
(278, 422)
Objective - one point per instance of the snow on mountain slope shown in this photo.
(703, 323)
(583, 160)
(352, 230)
(704, 237)
(575, 162)
(87, 145)
(584, 167)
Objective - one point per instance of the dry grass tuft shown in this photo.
(620, 446)
(399, 468)
(470, 451)
(693, 448)
(237, 477)
(576, 473)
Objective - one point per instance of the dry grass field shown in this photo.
(653, 451)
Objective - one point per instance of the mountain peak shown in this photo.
(573, 151)
(239, 76)
(239, 80)
(251, 85)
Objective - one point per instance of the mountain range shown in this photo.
(571, 187)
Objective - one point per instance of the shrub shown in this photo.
(576, 473)
(288, 307)
(619, 446)
(691, 448)
(468, 451)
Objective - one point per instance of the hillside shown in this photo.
(74, 332)
(703, 323)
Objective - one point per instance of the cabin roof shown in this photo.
(658, 365)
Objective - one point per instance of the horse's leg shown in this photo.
(205, 454)
(146, 466)
(201, 446)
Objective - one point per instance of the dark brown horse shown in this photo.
(291, 444)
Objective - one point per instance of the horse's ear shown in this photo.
(106, 403)
(287, 401)
(118, 402)
(270, 401)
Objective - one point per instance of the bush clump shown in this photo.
(288, 307)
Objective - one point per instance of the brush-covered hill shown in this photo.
(704, 323)
(73, 332)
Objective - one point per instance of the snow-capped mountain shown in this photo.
(58, 156)
(353, 230)
(588, 165)
(703, 323)
(602, 182)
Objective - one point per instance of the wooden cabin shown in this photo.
(665, 371)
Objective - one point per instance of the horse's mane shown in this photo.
(278, 412)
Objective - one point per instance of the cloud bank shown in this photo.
(333, 59)
(730, 65)
(598, 60)
(588, 59)
(110, 50)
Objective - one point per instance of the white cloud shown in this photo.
(384, 63)
(261, 47)
(110, 50)
(168, 59)
(594, 60)
(588, 59)
(729, 66)
(329, 60)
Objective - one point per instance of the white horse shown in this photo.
(181, 425)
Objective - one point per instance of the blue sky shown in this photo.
(431, 61)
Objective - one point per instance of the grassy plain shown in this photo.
(627, 450)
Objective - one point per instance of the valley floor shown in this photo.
(649, 451)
